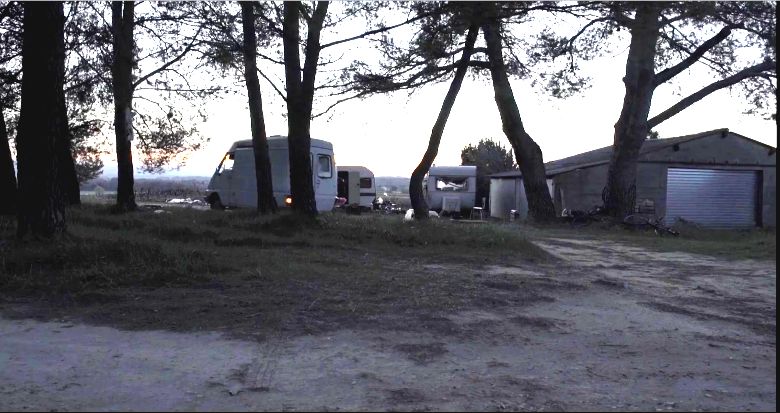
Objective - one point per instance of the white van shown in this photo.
(234, 183)
(356, 184)
(451, 189)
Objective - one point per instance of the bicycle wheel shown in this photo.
(635, 221)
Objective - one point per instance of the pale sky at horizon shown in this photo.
(389, 133)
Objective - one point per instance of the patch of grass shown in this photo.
(187, 269)
(78, 264)
(757, 244)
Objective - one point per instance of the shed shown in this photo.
(717, 179)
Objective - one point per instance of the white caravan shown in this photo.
(451, 189)
(357, 185)
(234, 183)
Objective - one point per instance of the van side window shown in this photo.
(324, 169)
(451, 183)
(227, 163)
(365, 182)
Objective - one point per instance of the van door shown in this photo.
(324, 177)
(222, 180)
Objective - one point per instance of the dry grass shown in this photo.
(189, 269)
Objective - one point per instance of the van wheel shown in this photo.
(215, 202)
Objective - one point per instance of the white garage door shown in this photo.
(712, 198)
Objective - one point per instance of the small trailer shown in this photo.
(451, 189)
(234, 183)
(356, 184)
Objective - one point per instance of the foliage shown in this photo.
(489, 157)
(727, 39)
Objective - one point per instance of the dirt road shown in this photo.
(623, 329)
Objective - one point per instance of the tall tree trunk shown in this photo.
(265, 192)
(70, 179)
(7, 172)
(416, 194)
(528, 153)
(122, 14)
(300, 96)
(42, 127)
(631, 128)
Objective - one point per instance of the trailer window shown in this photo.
(324, 169)
(452, 183)
(365, 182)
(227, 163)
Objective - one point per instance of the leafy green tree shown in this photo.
(489, 157)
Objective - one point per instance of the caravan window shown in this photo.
(452, 183)
(365, 182)
(227, 163)
(324, 169)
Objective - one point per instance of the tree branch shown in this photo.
(753, 71)
(673, 71)
(273, 85)
(375, 31)
(169, 63)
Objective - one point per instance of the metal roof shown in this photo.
(361, 169)
(601, 156)
(280, 141)
(463, 170)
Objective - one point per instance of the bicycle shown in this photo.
(578, 218)
(638, 221)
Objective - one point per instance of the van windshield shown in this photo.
(452, 183)
(227, 163)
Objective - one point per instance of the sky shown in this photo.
(389, 133)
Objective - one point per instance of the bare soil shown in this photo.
(609, 327)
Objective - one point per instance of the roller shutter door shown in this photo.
(712, 198)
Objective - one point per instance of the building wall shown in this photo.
(581, 189)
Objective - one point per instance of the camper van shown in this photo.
(356, 184)
(451, 189)
(234, 183)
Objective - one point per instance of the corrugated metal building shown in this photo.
(717, 179)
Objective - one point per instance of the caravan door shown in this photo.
(324, 177)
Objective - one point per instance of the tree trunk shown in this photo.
(528, 153)
(70, 180)
(265, 193)
(42, 127)
(7, 172)
(121, 74)
(631, 128)
(416, 194)
(300, 96)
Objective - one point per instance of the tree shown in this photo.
(300, 73)
(300, 95)
(489, 157)
(7, 172)
(80, 160)
(676, 36)
(265, 194)
(122, 23)
(142, 83)
(426, 60)
(528, 153)
(42, 122)
(10, 70)
(416, 194)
